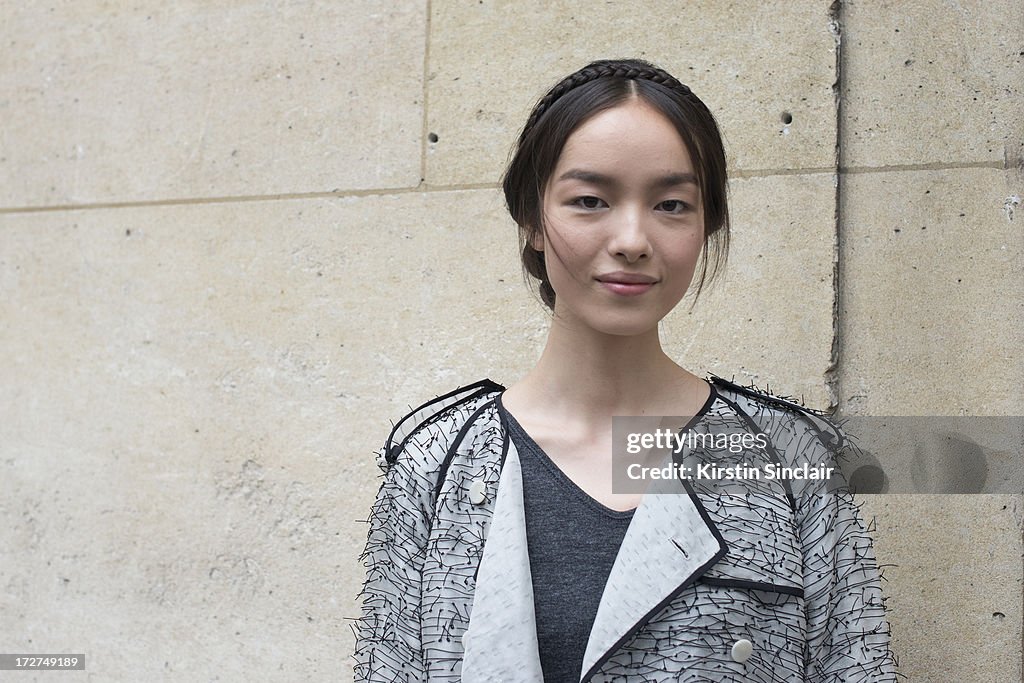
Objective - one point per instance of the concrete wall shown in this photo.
(931, 301)
(230, 254)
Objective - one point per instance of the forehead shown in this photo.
(627, 137)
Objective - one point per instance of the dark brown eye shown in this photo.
(588, 202)
(675, 206)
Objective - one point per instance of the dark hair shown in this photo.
(599, 86)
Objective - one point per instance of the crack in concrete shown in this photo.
(833, 385)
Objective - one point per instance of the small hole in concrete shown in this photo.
(432, 137)
(787, 118)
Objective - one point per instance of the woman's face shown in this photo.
(625, 222)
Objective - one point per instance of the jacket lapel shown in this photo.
(501, 639)
(670, 542)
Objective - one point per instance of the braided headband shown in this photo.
(635, 69)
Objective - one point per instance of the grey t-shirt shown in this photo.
(572, 541)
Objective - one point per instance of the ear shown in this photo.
(537, 240)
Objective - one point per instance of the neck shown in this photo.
(594, 375)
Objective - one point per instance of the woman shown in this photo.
(498, 549)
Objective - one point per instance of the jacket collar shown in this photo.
(501, 640)
(670, 542)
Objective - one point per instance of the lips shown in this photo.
(626, 284)
(622, 277)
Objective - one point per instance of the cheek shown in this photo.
(683, 249)
(682, 261)
(570, 248)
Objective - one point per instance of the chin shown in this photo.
(621, 319)
(623, 325)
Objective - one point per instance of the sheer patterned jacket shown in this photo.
(778, 584)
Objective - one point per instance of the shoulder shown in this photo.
(810, 441)
(429, 430)
(778, 413)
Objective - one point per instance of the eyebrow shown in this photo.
(669, 180)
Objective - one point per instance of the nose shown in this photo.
(629, 238)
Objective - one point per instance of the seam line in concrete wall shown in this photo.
(423, 97)
(832, 373)
(768, 172)
(382, 192)
(936, 166)
(423, 188)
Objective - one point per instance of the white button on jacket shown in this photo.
(478, 492)
(741, 650)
